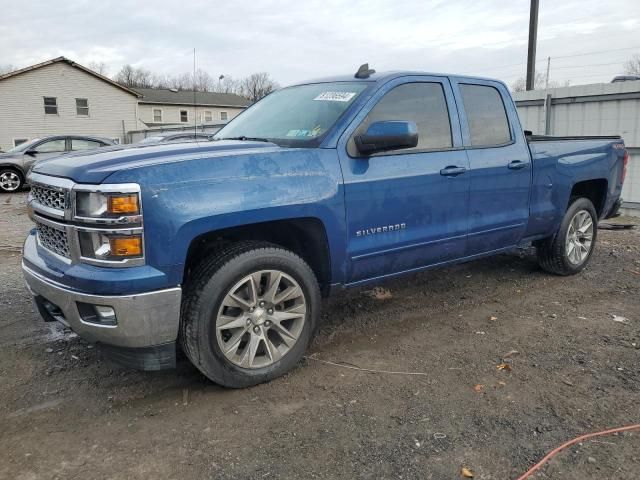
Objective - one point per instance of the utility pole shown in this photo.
(533, 37)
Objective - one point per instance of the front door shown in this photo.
(406, 209)
(41, 151)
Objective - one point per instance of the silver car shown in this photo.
(15, 163)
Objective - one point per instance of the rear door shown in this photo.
(406, 209)
(79, 144)
(500, 165)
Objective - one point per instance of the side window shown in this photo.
(51, 105)
(51, 146)
(486, 115)
(82, 107)
(423, 103)
(184, 116)
(80, 144)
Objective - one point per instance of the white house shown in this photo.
(160, 107)
(60, 96)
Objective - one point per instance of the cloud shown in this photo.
(295, 40)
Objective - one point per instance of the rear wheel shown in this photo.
(569, 251)
(10, 180)
(249, 313)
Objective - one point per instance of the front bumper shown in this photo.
(141, 320)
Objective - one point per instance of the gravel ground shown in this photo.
(572, 368)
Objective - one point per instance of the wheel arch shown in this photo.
(594, 190)
(304, 236)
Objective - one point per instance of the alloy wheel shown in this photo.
(260, 319)
(9, 181)
(579, 239)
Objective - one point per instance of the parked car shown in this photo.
(226, 248)
(15, 163)
(177, 137)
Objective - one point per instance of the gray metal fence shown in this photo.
(598, 109)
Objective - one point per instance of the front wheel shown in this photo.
(248, 314)
(569, 251)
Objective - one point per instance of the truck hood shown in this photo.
(96, 165)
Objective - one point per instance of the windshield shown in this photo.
(294, 116)
(23, 146)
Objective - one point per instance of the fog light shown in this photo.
(98, 314)
(105, 313)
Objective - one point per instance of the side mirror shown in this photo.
(33, 153)
(387, 135)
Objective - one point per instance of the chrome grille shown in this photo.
(49, 197)
(53, 239)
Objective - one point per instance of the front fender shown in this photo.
(182, 201)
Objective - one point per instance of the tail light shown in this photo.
(625, 161)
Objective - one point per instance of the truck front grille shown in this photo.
(53, 239)
(49, 197)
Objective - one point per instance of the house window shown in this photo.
(19, 141)
(224, 116)
(82, 107)
(208, 116)
(51, 105)
(157, 115)
(184, 116)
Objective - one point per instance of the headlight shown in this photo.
(112, 246)
(106, 205)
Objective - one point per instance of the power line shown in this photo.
(562, 56)
(595, 53)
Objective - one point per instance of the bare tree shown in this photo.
(99, 67)
(132, 77)
(227, 84)
(632, 67)
(256, 86)
(539, 83)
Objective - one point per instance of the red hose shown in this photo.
(571, 442)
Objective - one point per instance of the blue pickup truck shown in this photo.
(225, 248)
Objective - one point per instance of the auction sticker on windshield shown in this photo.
(335, 96)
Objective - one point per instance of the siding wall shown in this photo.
(599, 109)
(22, 106)
(171, 113)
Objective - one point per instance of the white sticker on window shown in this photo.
(335, 96)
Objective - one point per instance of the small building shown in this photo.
(60, 96)
(596, 109)
(160, 107)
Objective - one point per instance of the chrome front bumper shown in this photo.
(141, 320)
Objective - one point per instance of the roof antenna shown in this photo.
(364, 71)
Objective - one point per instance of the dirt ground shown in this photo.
(67, 413)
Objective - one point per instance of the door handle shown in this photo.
(452, 171)
(517, 165)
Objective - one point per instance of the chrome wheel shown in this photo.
(579, 239)
(260, 319)
(9, 181)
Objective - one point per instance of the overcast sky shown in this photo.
(297, 40)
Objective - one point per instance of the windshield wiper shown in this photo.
(244, 138)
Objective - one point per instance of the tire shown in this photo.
(257, 350)
(11, 180)
(553, 253)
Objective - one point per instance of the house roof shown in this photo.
(73, 64)
(164, 96)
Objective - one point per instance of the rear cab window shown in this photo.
(486, 115)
